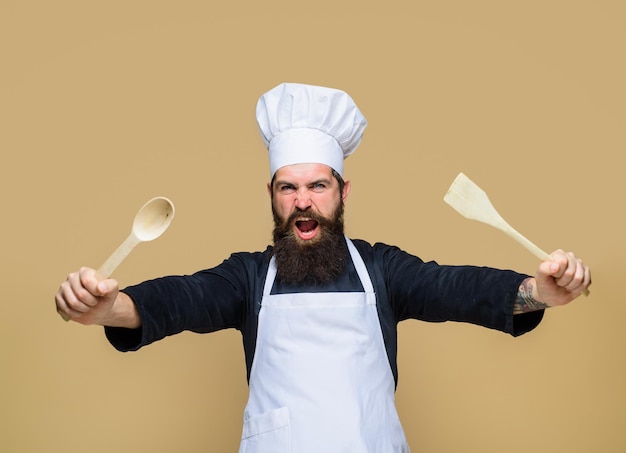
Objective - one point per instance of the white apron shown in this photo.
(320, 380)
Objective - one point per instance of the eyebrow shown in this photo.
(289, 183)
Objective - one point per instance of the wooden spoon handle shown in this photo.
(118, 256)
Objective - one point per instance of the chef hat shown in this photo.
(309, 124)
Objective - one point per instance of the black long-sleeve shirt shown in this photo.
(229, 296)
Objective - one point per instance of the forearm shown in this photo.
(526, 299)
(124, 313)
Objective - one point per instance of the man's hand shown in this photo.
(86, 299)
(558, 281)
(561, 279)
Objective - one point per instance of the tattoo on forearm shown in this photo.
(524, 301)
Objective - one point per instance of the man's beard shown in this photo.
(317, 261)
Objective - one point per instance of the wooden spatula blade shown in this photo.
(471, 201)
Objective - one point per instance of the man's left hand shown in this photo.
(561, 279)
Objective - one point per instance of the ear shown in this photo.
(269, 189)
(346, 190)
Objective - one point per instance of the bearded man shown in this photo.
(318, 311)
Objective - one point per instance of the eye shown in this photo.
(286, 189)
(318, 187)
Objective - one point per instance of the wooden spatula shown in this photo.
(473, 203)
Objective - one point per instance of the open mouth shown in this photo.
(306, 228)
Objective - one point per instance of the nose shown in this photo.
(303, 200)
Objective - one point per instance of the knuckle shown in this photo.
(81, 293)
(77, 305)
(569, 274)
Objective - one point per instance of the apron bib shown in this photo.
(321, 380)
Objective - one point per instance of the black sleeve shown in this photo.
(431, 292)
(206, 301)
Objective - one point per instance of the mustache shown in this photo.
(309, 214)
(282, 227)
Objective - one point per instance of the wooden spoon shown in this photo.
(150, 222)
(473, 203)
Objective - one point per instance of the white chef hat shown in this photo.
(309, 124)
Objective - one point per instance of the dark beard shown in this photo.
(320, 261)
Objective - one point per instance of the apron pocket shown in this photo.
(266, 433)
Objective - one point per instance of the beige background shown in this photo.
(106, 104)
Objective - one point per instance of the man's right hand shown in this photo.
(86, 299)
